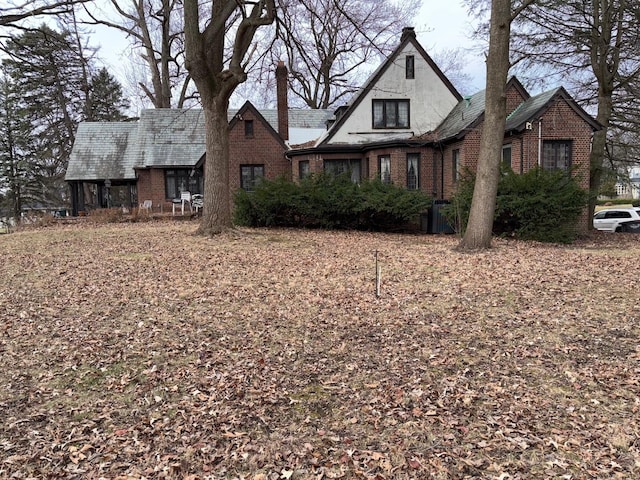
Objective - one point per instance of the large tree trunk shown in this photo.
(480, 226)
(216, 216)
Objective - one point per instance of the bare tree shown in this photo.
(156, 29)
(12, 13)
(216, 79)
(594, 47)
(479, 229)
(329, 45)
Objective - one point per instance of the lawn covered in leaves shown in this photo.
(143, 351)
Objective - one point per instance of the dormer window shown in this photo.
(391, 114)
(410, 67)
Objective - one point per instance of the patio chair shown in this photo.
(197, 201)
(185, 199)
(147, 205)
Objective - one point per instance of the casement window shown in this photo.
(303, 169)
(391, 114)
(177, 180)
(248, 128)
(506, 154)
(556, 155)
(410, 67)
(250, 176)
(413, 171)
(455, 164)
(338, 167)
(384, 168)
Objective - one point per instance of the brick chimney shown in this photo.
(283, 104)
(407, 32)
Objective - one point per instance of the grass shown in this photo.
(143, 351)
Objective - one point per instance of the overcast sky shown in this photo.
(440, 25)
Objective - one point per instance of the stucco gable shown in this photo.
(430, 93)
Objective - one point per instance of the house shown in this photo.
(162, 154)
(407, 125)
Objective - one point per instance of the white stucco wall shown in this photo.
(430, 102)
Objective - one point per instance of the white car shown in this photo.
(617, 219)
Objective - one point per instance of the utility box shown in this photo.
(434, 221)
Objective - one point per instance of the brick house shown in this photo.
(407, 125)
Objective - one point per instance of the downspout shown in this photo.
(540, 142)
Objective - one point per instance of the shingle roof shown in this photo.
(161, 138)
(462, 117)
(529, 109)
(100, 151)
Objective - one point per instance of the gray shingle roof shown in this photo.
(160, 138)
(529, 109)
(462, 117)
(100, 151)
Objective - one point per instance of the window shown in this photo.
(250, 175)
(391, 114)
(248, 128)
(303, 169)
(556, 155)
(338, 167)
(410, 67)
(413, 171)
(182, 180)
(384, 168)
(455, 159)
(506, 154)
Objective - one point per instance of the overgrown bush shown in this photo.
(327, 201)
(538, 205)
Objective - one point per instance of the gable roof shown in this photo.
(248, 107)
(470, 112)
(165, 138)
(408, 36)
(100, 152)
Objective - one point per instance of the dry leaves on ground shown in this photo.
(143, 351)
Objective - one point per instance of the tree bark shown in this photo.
(479, 229)
(216, 216)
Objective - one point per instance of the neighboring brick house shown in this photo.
(407, 125)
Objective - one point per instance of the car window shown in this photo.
(618, 214)
(599, 215)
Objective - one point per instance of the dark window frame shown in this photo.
(338, 166)
(455, 164)
(555, 147)
(248, 128)
(253, 177)
(303, 169)
(410, 67)
(507, 147)
(387, 178)
(178, 180)
(415, 185)
(390, 110)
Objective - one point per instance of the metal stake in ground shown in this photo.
(378, 275)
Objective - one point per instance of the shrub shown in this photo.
(538, 205)
(328, 201)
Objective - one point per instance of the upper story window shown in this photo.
(248, 128)
(391, 114)
(556, 155)
(410, 67)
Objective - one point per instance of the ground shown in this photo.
(145, 351)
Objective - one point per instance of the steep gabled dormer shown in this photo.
(407, 95)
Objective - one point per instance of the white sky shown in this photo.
(440, 25)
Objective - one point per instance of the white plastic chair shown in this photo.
(185, 198)
(147, 205)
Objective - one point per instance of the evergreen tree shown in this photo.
(107, 101)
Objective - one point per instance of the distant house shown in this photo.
(407, 125)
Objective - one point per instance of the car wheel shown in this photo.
(618, 229)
